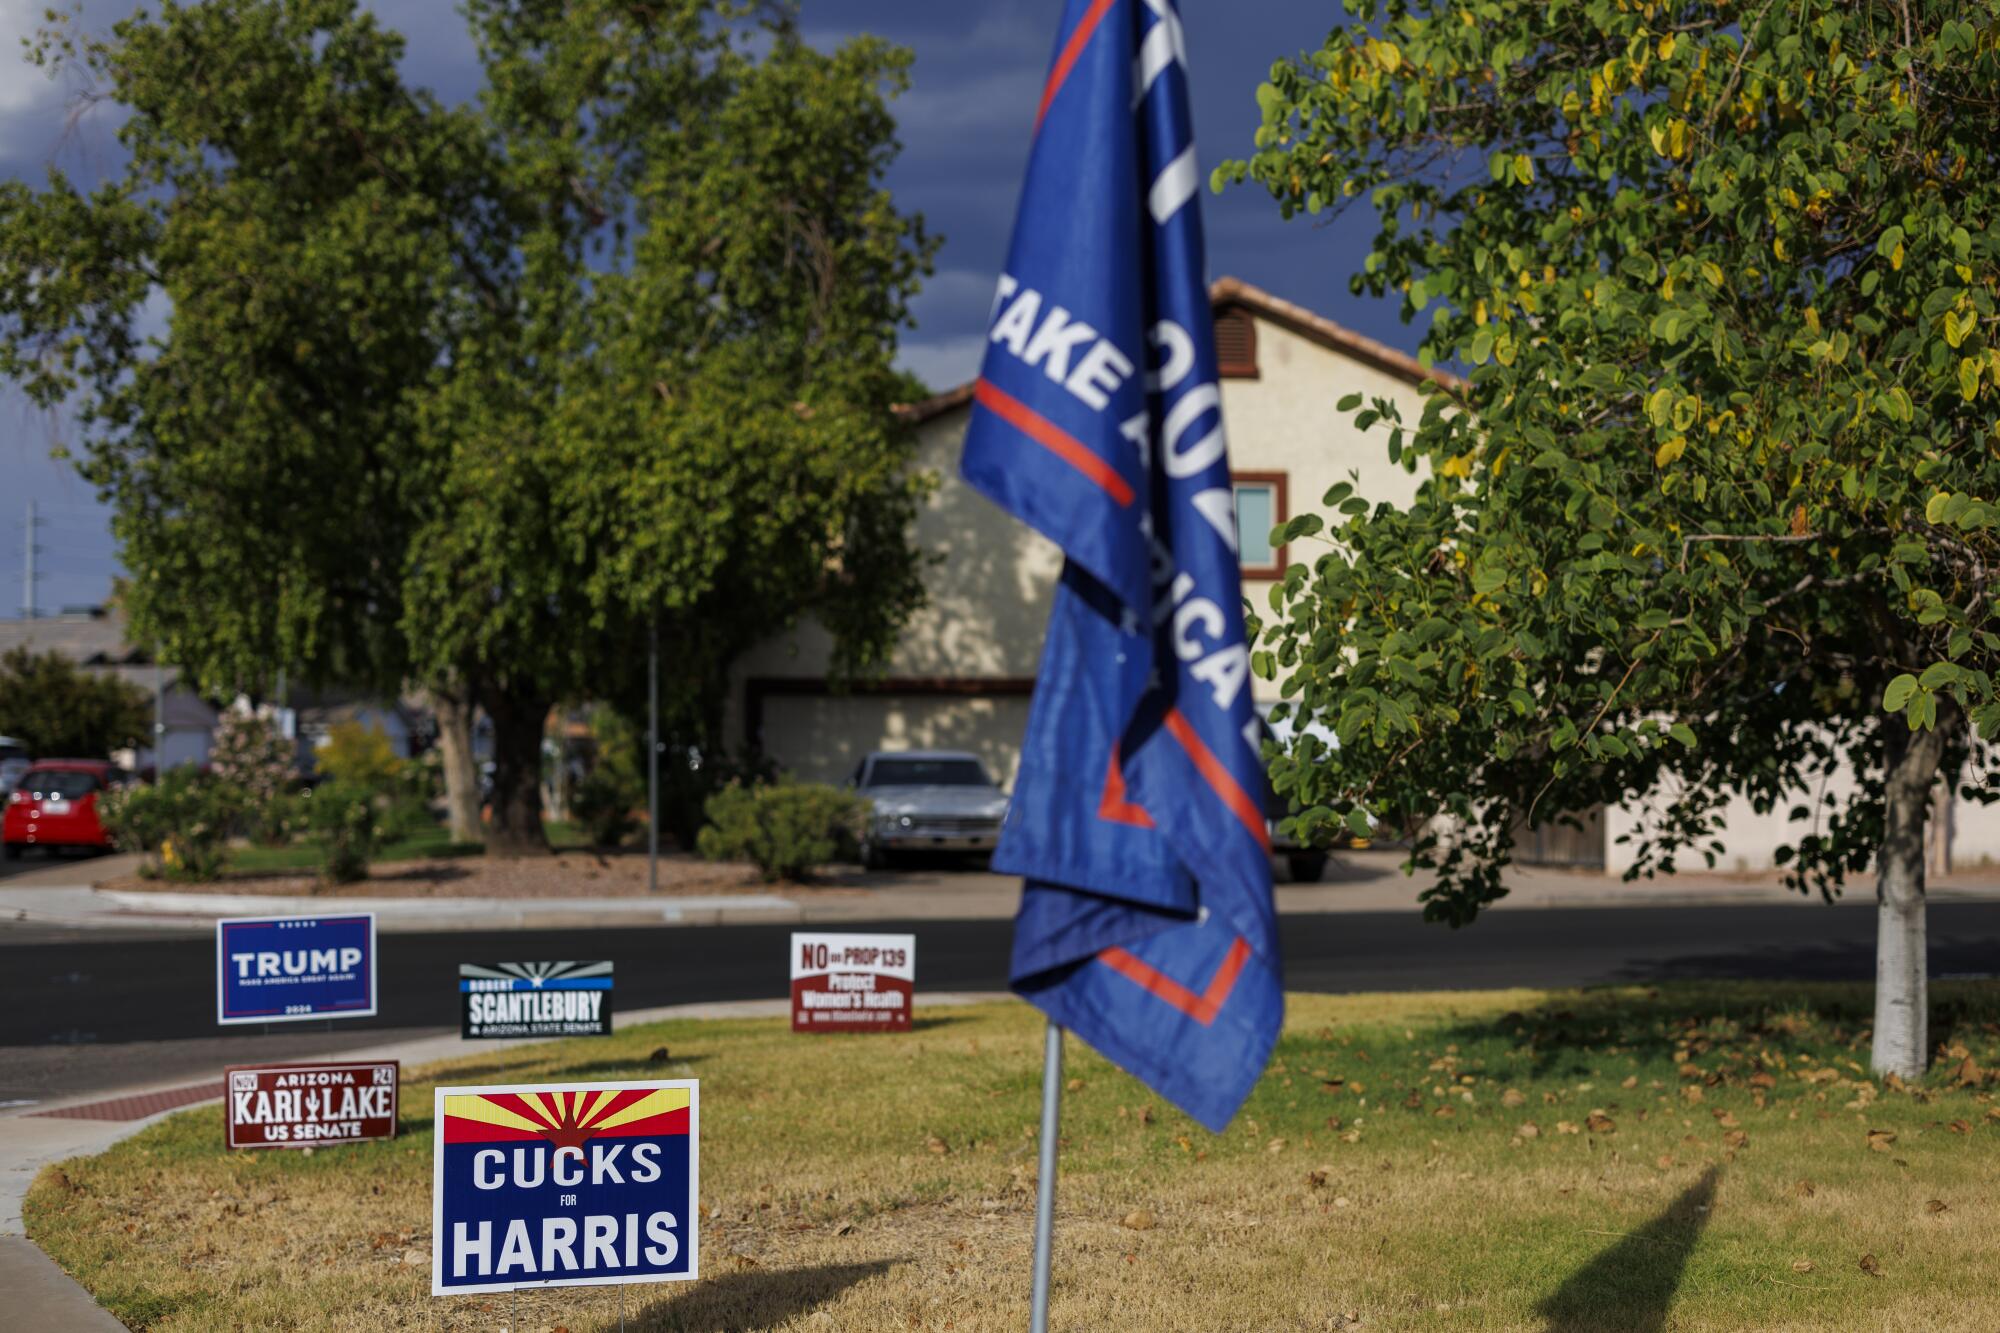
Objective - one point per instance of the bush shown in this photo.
(180, 823)
(603, 805)
(784, 827)
(345, 828)
(361, 755)
(257, 766)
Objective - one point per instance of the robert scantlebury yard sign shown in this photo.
(310, 1105)
(853, 983)
(292, 968)
(564, 1184)
(535, 999)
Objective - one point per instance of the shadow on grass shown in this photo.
(755, 1298)
(1730, 1028)
(1629, 1287)
(639, 1070)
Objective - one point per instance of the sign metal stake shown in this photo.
(1045, 1179)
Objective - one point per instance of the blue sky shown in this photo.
(964, 126)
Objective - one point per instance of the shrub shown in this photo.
(361, 755)
(345, 828)
(784, 827)
(256, 766)
(603, 805)
(180, 823)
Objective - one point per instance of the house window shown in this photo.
(1236, 345)
(1260, 507)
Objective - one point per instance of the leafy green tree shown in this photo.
(63, 712)
(1714, 513)
(485, 396)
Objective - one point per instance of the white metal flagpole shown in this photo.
(1045, 1179)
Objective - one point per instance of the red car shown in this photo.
(55, 805)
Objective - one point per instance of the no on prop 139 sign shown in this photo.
(564, 1184)
(853, 983)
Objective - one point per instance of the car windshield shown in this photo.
(56, 784)
(926, 773)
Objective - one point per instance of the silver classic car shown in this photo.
(927, 800)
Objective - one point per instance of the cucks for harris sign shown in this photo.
(569, 1184)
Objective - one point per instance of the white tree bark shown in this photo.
(1902, 973)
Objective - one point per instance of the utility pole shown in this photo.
(653, 759)
(28, 566)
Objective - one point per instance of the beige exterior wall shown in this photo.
(991, 588)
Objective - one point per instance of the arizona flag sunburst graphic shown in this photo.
(567, 1119)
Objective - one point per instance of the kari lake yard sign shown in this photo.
(310, 1105)
(291, 968)
(852, 983)
(535, 999)
(564, 1184)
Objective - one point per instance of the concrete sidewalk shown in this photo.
(38, 1294)
(1365, 881)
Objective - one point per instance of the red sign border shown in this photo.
(395, 1101)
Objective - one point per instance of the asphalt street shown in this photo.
(84, 1010)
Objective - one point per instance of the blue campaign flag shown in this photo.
(1147, 924)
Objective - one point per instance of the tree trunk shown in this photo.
(461, 769)
(518, 721)
(1902, 973)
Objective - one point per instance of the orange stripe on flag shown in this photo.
(1071, 52)
(1113, 806)
(1201, 1008)
(1220, 778)
(1053, 438)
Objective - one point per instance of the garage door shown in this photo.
(821, 738)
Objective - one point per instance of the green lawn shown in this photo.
(1686, 1157)
(428, 844)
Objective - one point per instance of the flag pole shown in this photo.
(1045, 1178)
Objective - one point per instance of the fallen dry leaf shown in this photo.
(1317, 1178)
(1351, 1136)
(1341, 1201)
(1804, 1189)
(1762, 1080)
(1960, 1127)
(1631, 1081)
(1076, 1085)
(1600, 1123)
(1692, 1093)
(1880, 1139)
(659, 1055)
(1565, 1127)
(1726, 1119)
(1870, 1266)
(1968, 1072)
(1802, 1265)
(1734, 1139)
(1935, 1206)
(1275, 1145)
(1512, 1098)
(1139, 1219)
(1666, 1162)
(937, 1145)
(1528, 1130)
(1444, 1111)
(1146, 1114)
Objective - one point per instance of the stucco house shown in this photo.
(963, 673)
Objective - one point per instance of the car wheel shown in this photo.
(1306, 867)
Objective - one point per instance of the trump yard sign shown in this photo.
(291, 968)
(563, 1185)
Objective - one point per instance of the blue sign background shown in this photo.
(288, 969)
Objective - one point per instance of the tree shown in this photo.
(485, 396)
(60, 711)
(1713, 513)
